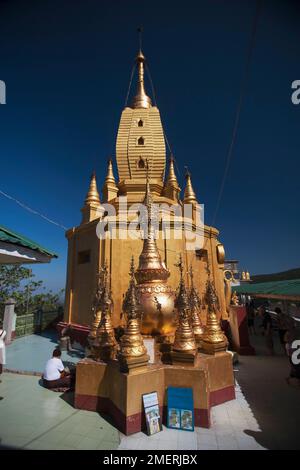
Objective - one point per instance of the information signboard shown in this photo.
(180, 408)
(152, 414)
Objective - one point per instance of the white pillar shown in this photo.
(9, 321)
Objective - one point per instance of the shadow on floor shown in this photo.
(275, 405)
(69, 397)
(50, 334)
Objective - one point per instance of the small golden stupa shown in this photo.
(234, 298)
(105, 344)
(133, 352)
(184, 347)
(96, 307)
(151, 276)
(213, 339)
(195, 308)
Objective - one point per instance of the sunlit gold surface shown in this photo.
(132, 344)
(189, 193)
(171, 187)
(221, 253)
(151, 277)
(141, 99)
(81, 278)
(234, 298)
(195, 308)
(109, 189)
(92, 195)
(105, 344)
(184, 337)
(213, 338)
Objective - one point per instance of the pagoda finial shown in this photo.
(172, 176)
(195, 305)
(92, 196)
(133, 353)
(184, 347)
(141, 99)
(171, 187)
(110, 172)
(213, 338)
(189, 193)
(150, 263)
(109, 189)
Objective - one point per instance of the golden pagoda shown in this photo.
(168, 324)
(96, 307)
(195, 308)
(110, 189)
(184, 348)
(152, 276)
(171, 188)
(140, 148)
(234, 299)
(189, 193)
(92, 203)
(213, 339)
(133, 353)
(105, 344)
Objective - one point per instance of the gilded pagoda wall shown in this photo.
(81, 277)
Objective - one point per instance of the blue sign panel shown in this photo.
(180, 408)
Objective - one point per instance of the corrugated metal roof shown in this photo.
(289, 288)
(8, 236)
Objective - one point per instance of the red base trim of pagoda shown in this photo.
(239, 331)
(103, 388)
(78, 333)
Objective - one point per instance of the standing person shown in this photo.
(250, 317)
(2, 347)
(282, 327)
(268, 331)
(292, 338)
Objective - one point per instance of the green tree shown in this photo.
(18, 282)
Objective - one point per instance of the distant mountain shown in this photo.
(283, 276)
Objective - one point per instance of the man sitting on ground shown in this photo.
(55, 375)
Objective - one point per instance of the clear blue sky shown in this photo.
(67, 64)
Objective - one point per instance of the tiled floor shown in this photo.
(32, 417)
(30, 353)
(265, 414)
(230, 424)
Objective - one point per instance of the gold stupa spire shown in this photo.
(96, 306)
(133, 352)
(152, 275)
(110, 189)
(106, 344)
(171, 187)
(189, 193)
(92, 196)
(110, 173)
(141, 99)
(184, 342)
(92, 204)
(150, 263)
(195, 305)
(213, 339)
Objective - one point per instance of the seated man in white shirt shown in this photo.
(55, 375)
